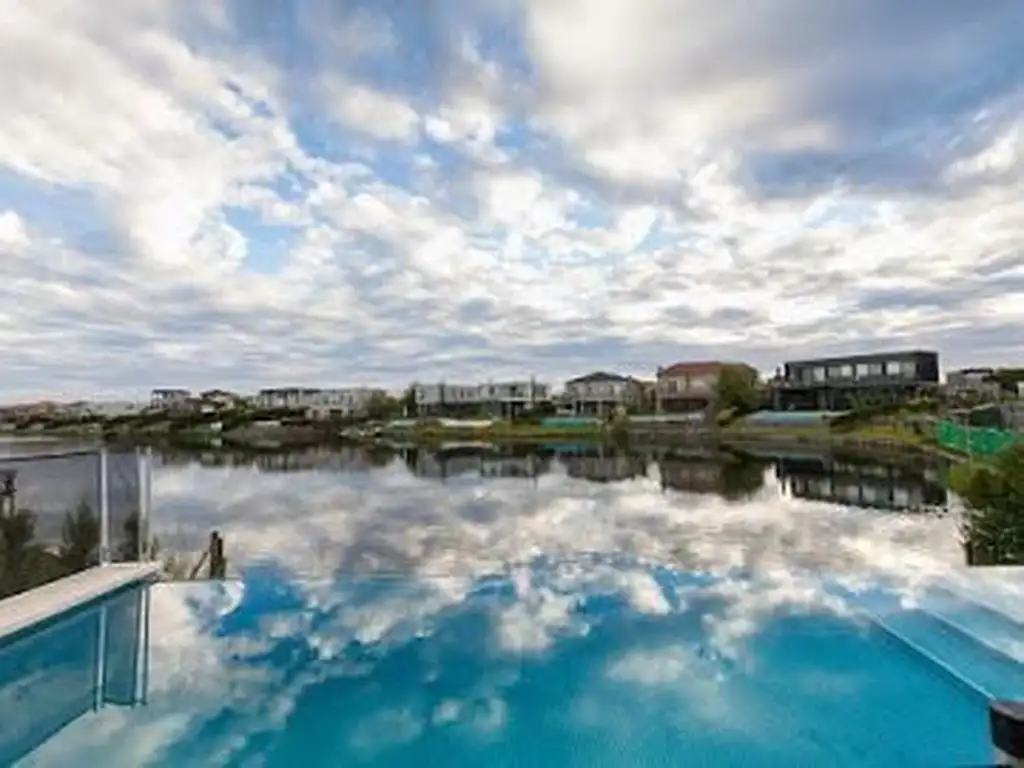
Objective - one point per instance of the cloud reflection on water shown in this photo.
(340, 573)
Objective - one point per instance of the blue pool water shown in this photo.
(597, 663)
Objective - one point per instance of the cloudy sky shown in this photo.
(249, 193)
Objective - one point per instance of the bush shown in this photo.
(993, 526)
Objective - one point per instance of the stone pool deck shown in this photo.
(20, 612)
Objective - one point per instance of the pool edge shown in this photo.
(21, 612)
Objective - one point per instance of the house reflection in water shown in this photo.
(91, 658)
(732, 477)
(863, 485)
(601, 465)
(474, 462)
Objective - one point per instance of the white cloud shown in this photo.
(637, 185)
(377, 114)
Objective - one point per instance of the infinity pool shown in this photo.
(543, 609)
(572, 664)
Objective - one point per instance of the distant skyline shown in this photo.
(331, 192)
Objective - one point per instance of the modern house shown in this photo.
(601, 393)
(219, 398)
(169, 398)
(976, 382)
(836, 383)
(502, 398)
(869, 486)
(319, 403)
(687, 387)
(443, 398)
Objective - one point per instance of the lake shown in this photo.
(562, 606)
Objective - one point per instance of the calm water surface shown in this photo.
(553, 608)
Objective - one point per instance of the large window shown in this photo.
(819, 374)
(835, 371)
(863, 370)
(896, 367)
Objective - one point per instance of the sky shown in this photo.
(331, 192)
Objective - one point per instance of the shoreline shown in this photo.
(863, 442)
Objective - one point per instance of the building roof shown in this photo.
(699, 368)
(866, 357)
(598, 376)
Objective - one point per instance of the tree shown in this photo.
(383, 407)
(409, 406)
(737, 391)
(993, 526)
(80, 539)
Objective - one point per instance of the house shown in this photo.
(165, 399)
(509, 398)
(600, 393)
(317, 403)
(285, 397)
(505, 398)
(838, 383)
(219, 399)
(976, 382)
(103, 409)
(444, 398)
(688, 387)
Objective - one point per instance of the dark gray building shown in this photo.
(837, 383)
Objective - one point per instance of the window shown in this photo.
(846, 371)
(819, 374)
(876, 369)
(894, 368)
(806, 375)
(863, 370)
(835, 371)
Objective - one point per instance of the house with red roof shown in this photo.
(690, 386)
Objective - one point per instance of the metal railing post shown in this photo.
(144, 459)
(104, 508)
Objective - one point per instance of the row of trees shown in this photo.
(26, 562)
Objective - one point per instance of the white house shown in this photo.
(506, 395)
(319, 403)
(169, 398)
(432, 396)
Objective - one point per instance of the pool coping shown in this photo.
(25, 610)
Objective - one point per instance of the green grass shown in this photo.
(501, 432)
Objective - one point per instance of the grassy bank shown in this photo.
(866, 438)
(871, 438)
(500, 433)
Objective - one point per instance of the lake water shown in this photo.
(553, 608)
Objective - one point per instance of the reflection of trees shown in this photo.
(26, 563)
(80, 539)
(732, 479)
(742, 478)
(993, 526)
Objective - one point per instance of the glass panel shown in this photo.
(50, 516)
(819, 374)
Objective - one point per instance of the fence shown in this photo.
(63, 511)
(975, 441)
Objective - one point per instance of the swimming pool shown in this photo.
(596, 661)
